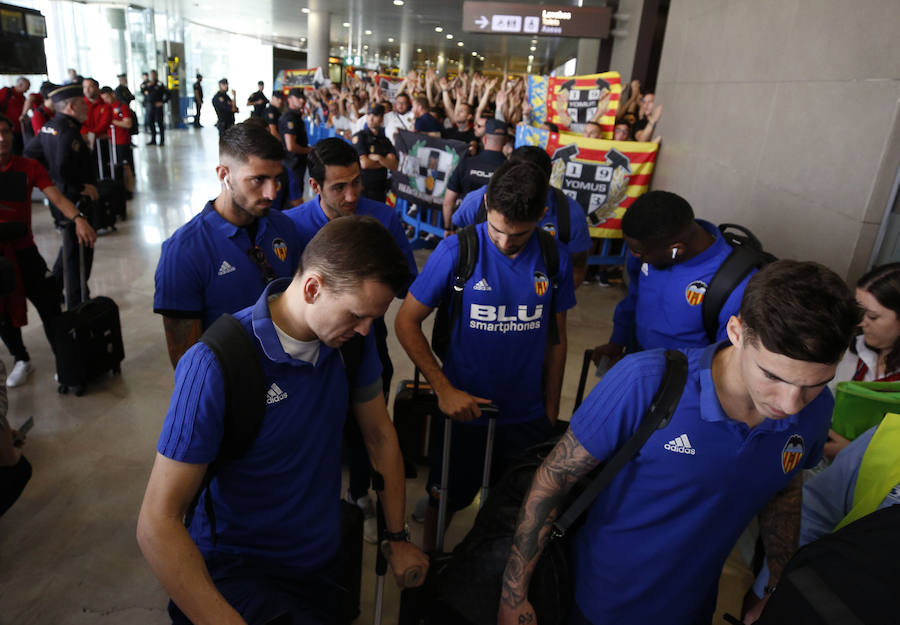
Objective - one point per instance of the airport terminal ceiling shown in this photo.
(282, 22)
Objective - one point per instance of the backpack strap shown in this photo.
(450, 308)
(550, 254)
(245, 401)
(481, 215)
(746, 256)
(563, 217)
(657, 416)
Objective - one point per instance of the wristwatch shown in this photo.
(82, 215)
(401, 536)
(768, 590)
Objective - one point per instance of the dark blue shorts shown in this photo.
(269, 594)
(467, 447)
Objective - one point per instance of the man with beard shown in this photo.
(400, 118)
(221, 260)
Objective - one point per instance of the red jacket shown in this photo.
(99, 118)
(12, 103)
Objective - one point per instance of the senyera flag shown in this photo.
(425, 166)
(305, 78)
(573, 101)
(603, 176)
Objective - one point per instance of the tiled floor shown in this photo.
(68, 555)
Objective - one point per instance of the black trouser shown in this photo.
(12, 482)
(69, 250)
(199, 105)
(157, 118)
(359, 467)
(43, 291)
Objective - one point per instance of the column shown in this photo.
(588, 53)
(406, 50)
(318, 40)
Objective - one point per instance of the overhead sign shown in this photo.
(506, 18)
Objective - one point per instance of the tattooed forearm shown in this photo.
(565, 465)
(779, 527)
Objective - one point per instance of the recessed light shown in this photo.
(304, 10)
(346, 24)
(398, 3)
(368, 32)
(460, 44)
(474, 54)
(438, 29)
(449, 36)
(390, 40)
(419, 50)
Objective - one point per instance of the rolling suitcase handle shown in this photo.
(491, 411)
(113, 161)
(82, 279)
(585, 366)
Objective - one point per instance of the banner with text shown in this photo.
(389, 85)
(603, 176)
(425, 166)
(571, 102)
(305, 78)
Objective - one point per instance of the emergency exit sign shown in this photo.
(508, 18)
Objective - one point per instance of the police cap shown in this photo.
(61, 93)
(495, 127)
(297, 92)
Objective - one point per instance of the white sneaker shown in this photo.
(418, 513)
(412, 211)
(370, 523)
(21, 370)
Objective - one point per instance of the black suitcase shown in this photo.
(113, 196)
(87, 340)
(415, 405)
(351, 555)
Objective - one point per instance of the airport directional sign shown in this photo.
(536, 20)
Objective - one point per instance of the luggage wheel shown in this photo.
(79, 391)
(62, 389)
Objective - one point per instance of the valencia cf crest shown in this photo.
(541, 283)
(550, 228)
(792, 453)
(280, 248)
(694, 292)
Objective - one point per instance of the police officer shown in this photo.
(60, 146)
(258, 101)
(198, 99)
(157, 95)
(292, 129)
(376, 155)
(122, 92)
(224, 106)
(222, 259)
(476, 171)
(145, 101)
(273, 113)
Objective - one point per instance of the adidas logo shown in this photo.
(274, 394)
(482, 285)
(681, 445)
(226, 267)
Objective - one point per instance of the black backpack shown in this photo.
(465, 587)
(747, 255)
(450, 309)
(850, 577)
(563, 227)
(245, 397)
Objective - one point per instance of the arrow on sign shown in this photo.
(482, 22)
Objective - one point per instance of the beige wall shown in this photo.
(784, 115)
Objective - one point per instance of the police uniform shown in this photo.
(497, 349)
(272, 115)
(198, 102)
(60, 146)
(671, 516)
(276, 504)
(577, 240)
(678, 290)
(156, 93)
(205, 268)
(222, 104)
(291, 123)
(259, 109)
(475, 172)
(309, 218)
(375, 181)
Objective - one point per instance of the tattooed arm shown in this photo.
(180, 335)
(779, 527)
(565, 465)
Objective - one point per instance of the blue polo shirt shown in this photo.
(663, 308)
(579, 237)
(205, 268)
(498, 344)
(281, 501)
(428, 123)
(309, 218)
(656, 539)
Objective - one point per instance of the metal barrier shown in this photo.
(420, 220)
(606, 255)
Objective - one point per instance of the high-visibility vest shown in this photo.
(879, 471)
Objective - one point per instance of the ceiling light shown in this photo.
(398, 3)
(460, 44)
(304, 10)
(449, 36)
(533, 48)
(530, 57)
(534, 41)
(368, 32)
(346, 24)
(390, 40)
(419, 50)
(438, 29)
(302, 38)
(474, 54)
